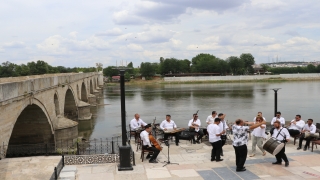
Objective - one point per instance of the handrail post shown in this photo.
(112, 146)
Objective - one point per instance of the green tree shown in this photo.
(147, 70)
(311, 68)
(130, 71)
(110, 71)
(248, 60)
(8, 69)
(265, 67)
(127, 76)
(42, 67)
(236, 65)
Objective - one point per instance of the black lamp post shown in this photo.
(124, 149)
(275, 100)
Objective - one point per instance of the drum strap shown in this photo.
(284, 138)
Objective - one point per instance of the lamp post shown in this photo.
(124, 149)
(275, 100)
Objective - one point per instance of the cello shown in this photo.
(154, 142)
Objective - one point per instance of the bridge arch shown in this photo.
(84, 94)
(70, 106)
(32, 126)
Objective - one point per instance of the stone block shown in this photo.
(67, 175)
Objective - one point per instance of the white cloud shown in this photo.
(112, 32)
(14, 44)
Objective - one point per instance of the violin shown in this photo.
(155, 142)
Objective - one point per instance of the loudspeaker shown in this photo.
(125, 161)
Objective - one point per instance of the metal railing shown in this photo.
(58, 169)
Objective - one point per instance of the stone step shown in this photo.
(68, 173)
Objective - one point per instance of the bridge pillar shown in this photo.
(66, 129)
(92, 100)
(84, 111)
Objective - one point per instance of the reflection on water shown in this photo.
(237, 100)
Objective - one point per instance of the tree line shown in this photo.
(202, 63)
(310, 68)
(8, 69)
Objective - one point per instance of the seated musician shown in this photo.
(296, 126)
(309, 127)
(136, 122)
(194, 125)
(167, 125)
(147, 145)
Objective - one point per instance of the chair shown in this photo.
(132, 133)
(314, 142)
(295, 138)
(143, 151)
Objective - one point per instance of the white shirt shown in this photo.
(168, 125)
(298, 126)
(282, 120)
(240, 135)
(210, 119)
(144, 135)
(254, 119)
(284, 134)
(223, 126)
(259, 132)
(213, 130)
(311, 128)
(198, 122)
(137, 124)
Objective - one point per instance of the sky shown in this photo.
(79, 33)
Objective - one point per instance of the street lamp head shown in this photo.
(275, 89)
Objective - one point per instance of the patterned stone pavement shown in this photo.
(194, 163)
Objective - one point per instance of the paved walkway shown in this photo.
(194, 163)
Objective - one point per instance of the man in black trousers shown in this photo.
(240, 139)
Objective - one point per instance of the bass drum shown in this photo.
(273, 146)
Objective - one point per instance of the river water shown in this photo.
(237, 100)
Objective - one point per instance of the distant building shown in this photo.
(115, 79)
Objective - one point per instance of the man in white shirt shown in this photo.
(223, 127)
(215, 140)
(259, 114)
(296, 126)
(144, 135)
(277, 118)
(281, 134)
(258, 134)
(194, 126)
(169, 124)
(240, 140)
(212, 117)
(309, 127)
(137, 123)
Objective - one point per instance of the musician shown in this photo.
(147, 145)
(169, 124)
(194, 125)
(309, 127)
(137, 123)
(240, 140)
(211, 118)
(215, 132)
(259, 114)
(258, 134)
(281, 134)
(296, 126)
(223, 127)
(277, 118)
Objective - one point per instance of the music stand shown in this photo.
(168, 162)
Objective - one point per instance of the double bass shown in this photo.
(154, 142)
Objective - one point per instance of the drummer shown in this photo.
(309, 127)
(169, 124)
(281, 134)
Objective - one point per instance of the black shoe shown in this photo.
(305, 148)
(298, 148)
(177, 144)
(153, 161)
(242, 169)
(287, 164)
(194, 142)
(219, 160)
(198, 141)
(148, 156)
(277, 163)
(221, 154)
(166, 143)
(213, 159)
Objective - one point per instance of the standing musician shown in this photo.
(281, 134)
(147, 145)
(215, 132)
(211, 118)
(240, 140)
(258, 134)
(136, 122)
(277, 118)
(194, 125)
(223, 127)
(169, 124)
(311, 128)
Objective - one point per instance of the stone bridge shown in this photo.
(46, 108)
